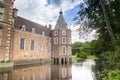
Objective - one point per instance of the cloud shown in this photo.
(44, 11)
(76, 37)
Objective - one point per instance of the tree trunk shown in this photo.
(105, 12)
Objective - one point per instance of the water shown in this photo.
(75, 71)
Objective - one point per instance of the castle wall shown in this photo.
(40, 49)
(6, 23)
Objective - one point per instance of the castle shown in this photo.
(24, 42)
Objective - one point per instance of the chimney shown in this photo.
(15, 12)
(50, 26)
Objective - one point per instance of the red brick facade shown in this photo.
(24, 40)
(6, 23)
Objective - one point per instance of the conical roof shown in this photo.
(61, 24)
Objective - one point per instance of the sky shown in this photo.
(46, 12)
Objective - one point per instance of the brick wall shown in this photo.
(38, 53)
(6, 25)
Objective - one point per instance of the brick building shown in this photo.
(6, 24)
(24, 41)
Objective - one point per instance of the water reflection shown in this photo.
(75, 71)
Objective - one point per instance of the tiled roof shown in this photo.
(19, 21)
(61, 24)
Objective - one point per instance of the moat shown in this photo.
(74, 71)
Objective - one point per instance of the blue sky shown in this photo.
(46, 12)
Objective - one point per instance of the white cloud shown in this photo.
(40, 12)
(76, 37)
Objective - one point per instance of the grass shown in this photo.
(91, 57)
(74, 58)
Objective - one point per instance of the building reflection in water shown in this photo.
(61, 72)
(38, 72)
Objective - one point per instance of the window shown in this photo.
(32, 45)
(64, 40)
(33, 30)
(64, 50)
(63, 32)
(23, 28)
(1, 13)
(43, 33)
(22, 44)
(56, 40)
(64, 73)
(55, 33)
(0, 36)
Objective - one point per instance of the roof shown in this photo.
(61, 24)
(19, 22)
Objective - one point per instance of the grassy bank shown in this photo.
(75, 58)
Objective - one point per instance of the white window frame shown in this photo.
(63, 32)
(56, 33)
(43, 33)
(32, 45)
(33, 30)
(24, 43)
(2, 13)
(0, 36)
(63, 52)
(55, 40)
(23, 28)
(64, 72)
(63, 40)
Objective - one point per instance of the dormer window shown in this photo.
(23, 28)
(33, 30)
(43, 33)
(1, 13)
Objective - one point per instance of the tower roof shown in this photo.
(61, 24)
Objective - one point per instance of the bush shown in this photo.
(3, 61)
(82, 55)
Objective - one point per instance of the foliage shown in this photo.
(75, 47)
(107, 52)
(5, 61)
(2, 61)
(81, 50)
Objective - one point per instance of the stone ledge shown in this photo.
(6, 65)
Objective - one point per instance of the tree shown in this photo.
(106, 17)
